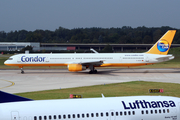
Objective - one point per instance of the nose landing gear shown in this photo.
(22, 71)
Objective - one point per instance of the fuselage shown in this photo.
(108, 59)
(113, 108)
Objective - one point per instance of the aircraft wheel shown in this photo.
(91, 72)
(22, 72)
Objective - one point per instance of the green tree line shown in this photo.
(126, 34)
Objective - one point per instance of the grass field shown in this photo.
(110, 90)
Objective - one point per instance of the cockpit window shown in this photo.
(10, 59)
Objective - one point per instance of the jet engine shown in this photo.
(76, 67)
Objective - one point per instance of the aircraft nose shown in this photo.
(6, 62)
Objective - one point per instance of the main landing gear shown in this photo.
(92, 70)
(22, 71)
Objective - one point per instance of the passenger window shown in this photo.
(92, 115)
(159, 111)
(87, 115)
(73, 115)
(124, 112)
(59, 116)
(112, 113)
(50, 117)
(156, 111)
(151, 111)
(64, 116)
(116, 113)
(107, 114)
(35, 118)
(129, 112)
(101, 114)
(78, 115)
(167, 110)
(40, 118)
(69, 116)
(97, 114)
(82, 115)
(146, 111)
(133, 112)
(45, 117)
(54, 116)
(142, 112)
(164, 111)
(121, 113)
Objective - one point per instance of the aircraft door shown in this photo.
(147, 59)
(46, 59)
(120, 58)
(112, 115)
(19, 60)
(14, 115)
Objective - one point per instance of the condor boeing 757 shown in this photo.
(106, 108)
(82, 61)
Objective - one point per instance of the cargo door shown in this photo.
(14, 115)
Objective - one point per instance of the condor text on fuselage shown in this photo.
(32, 59)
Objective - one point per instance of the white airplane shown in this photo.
(82, 61)
(106, 108)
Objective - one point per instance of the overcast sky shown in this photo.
(50, 14)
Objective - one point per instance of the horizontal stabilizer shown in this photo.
(166, 58)
(7, 97)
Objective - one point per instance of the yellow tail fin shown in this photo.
(163, 45)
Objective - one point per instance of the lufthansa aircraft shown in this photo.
(106, 108)
(82, 61)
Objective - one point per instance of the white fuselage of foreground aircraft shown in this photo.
(110, 108)
(82, 61)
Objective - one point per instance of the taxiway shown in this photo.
(13, 81)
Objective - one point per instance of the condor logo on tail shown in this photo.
(163, 45)
(145, 104)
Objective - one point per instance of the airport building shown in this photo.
(17, 46)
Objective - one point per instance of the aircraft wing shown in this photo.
(87, 63)
(94, 63)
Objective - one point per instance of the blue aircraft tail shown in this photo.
(7, 97)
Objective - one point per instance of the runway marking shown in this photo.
(12, 84)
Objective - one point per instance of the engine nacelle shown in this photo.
(76, 67)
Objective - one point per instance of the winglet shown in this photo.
(163, 45)
(7, 97)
